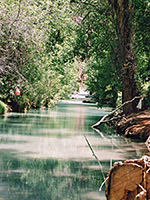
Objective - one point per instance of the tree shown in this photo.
(123, 11)
(112, 31)
(36, 52)
(97, 44)
(142, 29)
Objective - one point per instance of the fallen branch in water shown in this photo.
(114, 118)
(102, 120)
(99, 132)
(93, 153)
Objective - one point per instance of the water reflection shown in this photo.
(43, 154)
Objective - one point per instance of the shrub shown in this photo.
(3, 108)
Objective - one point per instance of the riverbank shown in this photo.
(136, 125)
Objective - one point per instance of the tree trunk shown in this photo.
(129, 180)
(126, 56)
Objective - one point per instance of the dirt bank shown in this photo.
(136, 125)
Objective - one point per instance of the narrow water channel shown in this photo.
(44, 154)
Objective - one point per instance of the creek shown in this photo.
(44, 154)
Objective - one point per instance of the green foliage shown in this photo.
(40, 46)
(142, 29)
(102, 81)
(147, 98)
(97, 44)
(3, 108)
(97, 31)
(36, 47)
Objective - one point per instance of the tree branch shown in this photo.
(17, 13)
(93, 153)
(105, 116)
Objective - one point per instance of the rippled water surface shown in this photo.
(44, 154)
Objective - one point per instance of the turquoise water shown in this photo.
(44, 154)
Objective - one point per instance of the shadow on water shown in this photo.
(44, 179)
(44, 156)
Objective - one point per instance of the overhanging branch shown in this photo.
(111, 113)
